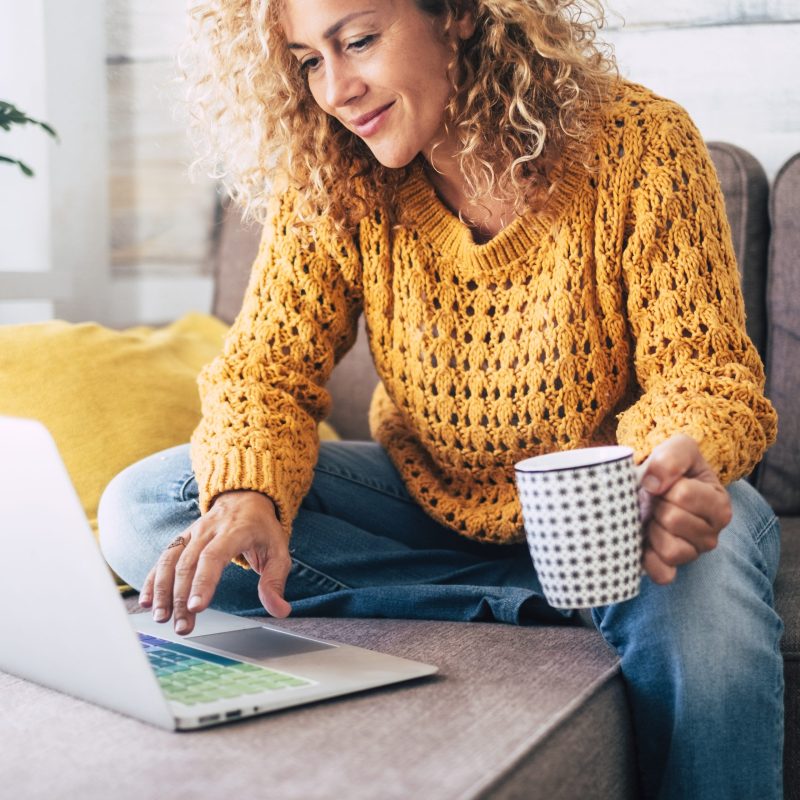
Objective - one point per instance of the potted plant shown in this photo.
(11, 115)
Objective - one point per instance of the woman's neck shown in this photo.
(485, 218)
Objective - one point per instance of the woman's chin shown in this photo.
(392, 159)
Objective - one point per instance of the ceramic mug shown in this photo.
(583, 522)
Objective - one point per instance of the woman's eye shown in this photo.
(312, 64)
(362, 44)
(309, 65)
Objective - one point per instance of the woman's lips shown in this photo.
(370, 123)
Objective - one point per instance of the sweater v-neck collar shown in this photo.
(425, 212)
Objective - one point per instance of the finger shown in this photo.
(671, 550)
(164, 581)
(670, 461)
(708, 501)
(685, 525)
(212, 561)
(184, 577)
(272, 584)
(146, 594)
(658, 571)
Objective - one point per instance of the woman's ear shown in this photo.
(464, 24)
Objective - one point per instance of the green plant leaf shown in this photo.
(49, 129)
(26, 170)
(11, 115)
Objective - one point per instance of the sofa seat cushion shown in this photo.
(787, 587)
(513, 712)
(533, 712)
(787, 603)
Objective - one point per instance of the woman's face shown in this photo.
(379, 67)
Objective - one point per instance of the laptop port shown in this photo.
(233, 714)
(208, 718)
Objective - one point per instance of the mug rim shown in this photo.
(603, 455)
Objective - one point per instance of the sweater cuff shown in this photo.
(247, 469)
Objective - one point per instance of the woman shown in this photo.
(541, 255)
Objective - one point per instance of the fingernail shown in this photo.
(194, 602)
(160, 614)
(181, 626)
(651, 483)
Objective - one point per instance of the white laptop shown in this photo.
(64, 625)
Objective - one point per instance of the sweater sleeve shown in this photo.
(263, 396)
(698, 372)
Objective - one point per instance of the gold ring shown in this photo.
(178, 541)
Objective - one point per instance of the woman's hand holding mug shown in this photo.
(594, 521)
(689, 507)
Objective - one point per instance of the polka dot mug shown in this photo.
(583, 522)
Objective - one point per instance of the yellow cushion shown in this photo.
(108, 397)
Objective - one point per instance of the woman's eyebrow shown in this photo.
(333, 30)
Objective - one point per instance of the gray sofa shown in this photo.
(513, 713)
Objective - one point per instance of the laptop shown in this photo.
(64, 625)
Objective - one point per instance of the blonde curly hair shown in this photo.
(532, 74)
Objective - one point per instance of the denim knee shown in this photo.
(143, 508)
(702, 662)
(715, 619)
(745, 560)
(754, 521)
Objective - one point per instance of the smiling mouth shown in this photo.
(369, 123)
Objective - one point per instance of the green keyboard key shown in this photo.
(248, 668)
(186, 678)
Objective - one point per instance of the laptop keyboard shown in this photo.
(192, 676)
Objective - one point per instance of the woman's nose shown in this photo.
(343, 84)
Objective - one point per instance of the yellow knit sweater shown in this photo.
(621, 321)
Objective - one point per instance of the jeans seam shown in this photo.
(319, 573)
(360, 481)
(770, 523)
(182, 490)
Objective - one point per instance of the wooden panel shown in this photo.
(144, 29)
(158, 215)
(686, 13)
(738, 82)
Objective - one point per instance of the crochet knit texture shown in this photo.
(619, 319)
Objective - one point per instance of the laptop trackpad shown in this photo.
(259, 643)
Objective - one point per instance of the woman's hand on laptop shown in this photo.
(183, 581)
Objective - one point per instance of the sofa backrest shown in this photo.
(746, 190)
(779, 473)
(353, 379)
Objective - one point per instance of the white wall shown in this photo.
(733, 64)
(54, 227)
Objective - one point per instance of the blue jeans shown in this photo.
(701, 657)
